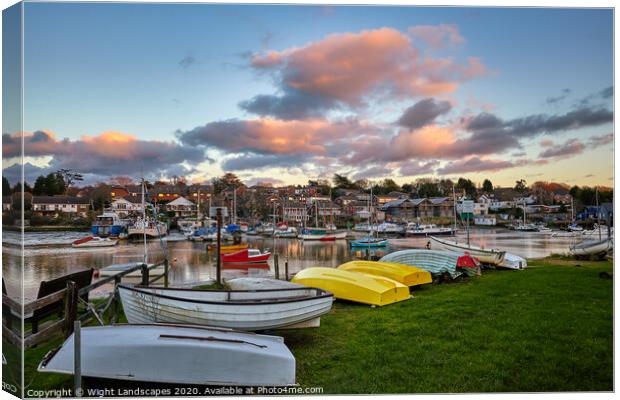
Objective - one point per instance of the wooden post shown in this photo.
(218, 269)
(286, 269)
(115, 301)
(145, 275)
(166, 268)
(276, 266)
(77, 358)
(70, 307)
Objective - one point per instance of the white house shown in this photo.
(529, 200)
(124, 206)
(53, 205)
(181, 207)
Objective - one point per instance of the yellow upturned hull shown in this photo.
(409, 276)
(230, 248)
(353, 286)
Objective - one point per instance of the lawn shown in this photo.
(548, 328)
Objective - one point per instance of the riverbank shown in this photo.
(547, 328)
(47, 228)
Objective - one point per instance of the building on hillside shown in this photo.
(294, 213)
(118, 191)
(164, 193)
(54, 205)
(442, 206)
(528, 200)
(124, 206)
(390, 197)
(401, 210)
(7, 203)
(181, 207)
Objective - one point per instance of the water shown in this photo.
(49, 254)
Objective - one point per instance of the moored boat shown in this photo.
(149, 228)
(488, 256)
(322, 234)
(592, 247)
(108, 224)
(231, 248)
(405, 274)
(191, 355)
(415, 229)
(370, 242)
(353, 286)
(246, 256)
(238, 309)
(284, 231)
(94, 241)
(513, 261)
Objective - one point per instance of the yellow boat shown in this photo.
(353, 286)
(231, 248)
(410, 276)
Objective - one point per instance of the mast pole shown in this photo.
(144, 223)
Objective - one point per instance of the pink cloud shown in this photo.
(475, 164)
(437, 36)
(570, 148)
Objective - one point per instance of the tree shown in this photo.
(468, 186)
(40, 186)
(362, 184)
(342, 182)
(6, 187)
(69, 177)
(520, 186)
(18, 188)
(122, 181)
(227, 181)
(487, 186)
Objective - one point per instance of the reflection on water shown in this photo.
(49, 255)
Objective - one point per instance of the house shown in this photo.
(442, 206)
(344, 200)
(390, 197)
(124, 206)
(402, 209)
(359, 209)
(54, 205)
(181, 207)
(7, 203)
(164, 193)
(293, 212)
(118, 191)
(529, 200)
(327, 209)
(501, 205)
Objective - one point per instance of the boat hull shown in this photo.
(191, 355)
(243, 310)
(362, 243)
(592, 247)
(433, 261)
(512, 261)
(328, 237)
(405, 274)
(352, 286)
(244, 257)
(493, 257)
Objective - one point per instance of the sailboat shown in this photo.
(370, 240)
(594, 247)
(326, 234)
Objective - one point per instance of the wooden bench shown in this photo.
(80, 278)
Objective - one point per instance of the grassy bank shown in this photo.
(548, 328)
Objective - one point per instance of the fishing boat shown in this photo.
(175, 354)
(94, 241)
(487, 256)
(434, 261)
(249, 310)
(370, 241)
(353, 286)
(284, 231)
(415, 229)
(150, 228)
(322, 234)
(390, 228)
(592, 247)
(513, 261)
(246, 256)
(405, 274)
(231, 248)
(108, 224)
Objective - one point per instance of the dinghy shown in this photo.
(593, 247)
(94, 241)
(487, 256)
(261, 284)
(353, 286)
(232, 248)
(369, 242)
(407, 275)
(248, 310)
(513, 261)
(246, 256)
(175, 354)
(434, 261)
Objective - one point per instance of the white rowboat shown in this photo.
(176, 354)
(513, 261)
(592, 247)
(248, 310)
(487, 256)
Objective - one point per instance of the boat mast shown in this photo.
(454, 204)
(144, 222)
(598, 215)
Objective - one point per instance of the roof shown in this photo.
(438, 200)
(131, 199)
(59, 200)
(181, 201)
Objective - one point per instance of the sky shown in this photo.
(284, 94)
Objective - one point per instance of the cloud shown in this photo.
(606, 93)
(475, 164)
(437, 36)
(263, 181)
(596, 141)
(553, 100)
(570, 148)
(423, 113)
(260, 161)
(108, 154)
(13, 173)
(348, 69)
(418, 168)
(375, 171)
(187, 62)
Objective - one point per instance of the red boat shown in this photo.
(245, 266)
(246, 256)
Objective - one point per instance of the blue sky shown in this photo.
(158, 72)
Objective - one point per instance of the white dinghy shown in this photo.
(261, 284)
(173, 354)
(487, 256)
(592, 247)
(513, 261)
(248, 310)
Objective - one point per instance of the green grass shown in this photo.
(548, 328)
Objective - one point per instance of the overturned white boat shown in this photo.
(513, 261)
(249, 310)
(175, 354)
(592, 247)
(487, 256)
